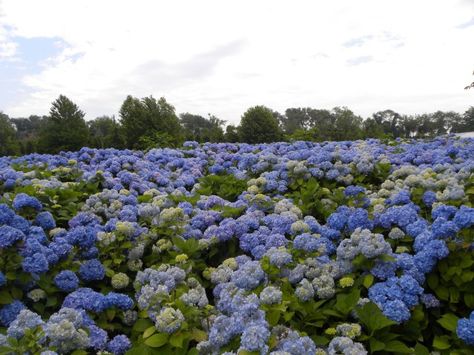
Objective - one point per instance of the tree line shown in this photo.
(149, 122)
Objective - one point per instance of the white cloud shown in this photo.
(224, 56)
(7, 46)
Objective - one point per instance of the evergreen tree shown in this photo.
(64, 129)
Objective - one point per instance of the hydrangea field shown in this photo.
(286, 248)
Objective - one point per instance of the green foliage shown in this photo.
(226, 186)
(371, 316)
(231, 134)
(143, 119)
(200, 129)
(105, 133)
(64, 129)
(258, 125)
(314, 199)
(157, 140)
(8, 143)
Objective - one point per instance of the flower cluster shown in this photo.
(228, 248)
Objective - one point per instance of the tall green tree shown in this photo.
(64, 128)
(147, 122)
(200, 129)
(372, 129)
(409, 126)
(231, 134)
(258, 125)
(347, 125)
(389, 120)
(314, 124)
(295, 119)
(468, 120)
(8, 142)
(105, 132)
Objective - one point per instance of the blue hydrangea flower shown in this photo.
(6, 214)
(45, 220)
(35, 264)
(119, 345)
(92, 270)
(87, 299)
(24, 321)
(464, 217)
(119, 300)
(9, 312)
(9, 236)
(66, 281)
(465, 329)
(23, 200)
(254, 338)
(97, 337)
(249, 275)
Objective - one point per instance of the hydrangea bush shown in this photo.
(286, 248)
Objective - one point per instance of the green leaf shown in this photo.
(16, 293)
(368, 280)
(373, 318)
(149, 331)
(346, 302)
(433, 281)
(177, 340)
(386, 258)
(442, 292)
(141, 349)
(320, 340)
(397, 346)
(141, 325)
(467, 276)
(449, 321)
(79, 352)
(52, 301)
(110, 314)
(441, 342)
(273, 316)
(157, 340)
(246, 352)
(330, 312)
(198, 335)
(421, 349)
(469, 299)
(453, 295)
(288, 315)
(376, 345)
(5, 297)
(466, 262)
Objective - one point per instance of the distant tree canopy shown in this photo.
(105, 132)
(258, 125)
(200, 129)
(8, 143)
(149, 121)
(231, 134)
(64, 128)
(319, 125)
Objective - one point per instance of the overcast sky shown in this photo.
(221, 57)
